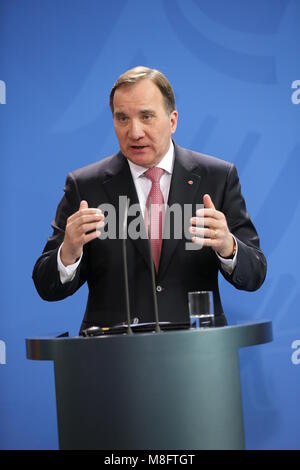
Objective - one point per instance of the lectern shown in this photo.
(170, 390)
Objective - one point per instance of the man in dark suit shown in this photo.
(145, 117)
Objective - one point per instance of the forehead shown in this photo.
(141, 95)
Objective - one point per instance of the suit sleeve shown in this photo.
(45, 272)
(251, 267)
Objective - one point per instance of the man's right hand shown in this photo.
(82, 227)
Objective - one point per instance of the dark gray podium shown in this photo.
(170, 390)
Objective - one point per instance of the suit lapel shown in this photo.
(185, 185)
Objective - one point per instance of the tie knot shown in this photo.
(154, 174)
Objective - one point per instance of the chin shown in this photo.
(142, 160)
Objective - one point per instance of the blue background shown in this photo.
(232, 65)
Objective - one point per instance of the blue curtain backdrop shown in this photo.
(235, 69)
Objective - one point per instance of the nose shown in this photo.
(136, 130)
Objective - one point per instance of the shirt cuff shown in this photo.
(228, 265)
(66, 273)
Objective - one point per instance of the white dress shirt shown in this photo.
(143, 187)
(143, 184)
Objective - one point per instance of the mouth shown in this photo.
(138, 147)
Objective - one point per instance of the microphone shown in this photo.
(125, 267)
(123, 328)
(157, 327)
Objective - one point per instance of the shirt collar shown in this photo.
(166, 163)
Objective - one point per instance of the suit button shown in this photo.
(159, 288)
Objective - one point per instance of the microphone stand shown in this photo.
(125, 267)
(157, 327)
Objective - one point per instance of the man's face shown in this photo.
(142, 124)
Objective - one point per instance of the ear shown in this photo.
(173, 121)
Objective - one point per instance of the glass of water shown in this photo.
(201, 308)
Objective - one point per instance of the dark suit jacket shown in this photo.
(180, 270)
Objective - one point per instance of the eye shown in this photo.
(122, 118)
(147, 117)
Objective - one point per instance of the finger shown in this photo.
(208, 222)
(83, 205)
(93, 214)
(208, 204)
(87, 228)
(89, 218)
(205, 232)
(207, 242)
(91, 236)
(209, 213)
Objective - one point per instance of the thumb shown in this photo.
(83, 205)
(208, 204)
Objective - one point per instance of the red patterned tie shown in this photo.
(157, 212)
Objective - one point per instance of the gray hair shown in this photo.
(140, 73)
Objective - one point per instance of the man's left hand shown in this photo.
(209, 228)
